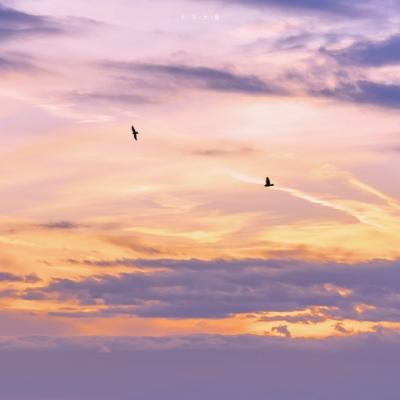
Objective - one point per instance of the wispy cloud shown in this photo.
(220, 80)
(360, 215)
(16, 62)
(392, 202)
(336, 7)
(109, 97)
(15, 23)
(224, 150)
(61, 225)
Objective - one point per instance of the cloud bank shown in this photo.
(221, 288)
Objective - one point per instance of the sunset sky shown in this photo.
(111, 247)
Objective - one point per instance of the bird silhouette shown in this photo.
(134, 132)
(268, 183)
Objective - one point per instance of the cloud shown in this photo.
(9, 277)
(8, 294)
(165, 79)
(113, 97)
(366, 92)
(346, 84)
(303, 318)
(282, 330)
(14, 23)
(343, 8)
(178, 75)
(32, 278)
(61, 225)
(220, 288)
(340, 328)
(132, 243)
(370, 53)
(223, 151)
(355, 212)
(15, 62)
(394, 148)
(298, 40)
(121, 344)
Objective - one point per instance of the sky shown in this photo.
(167, 259)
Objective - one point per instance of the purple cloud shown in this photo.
(14, 23)
(9, 277)
(365, 92)
(282, 329)
(178, 75)
(370, 53)
(343, 8)
(219, 288)
(17, 63)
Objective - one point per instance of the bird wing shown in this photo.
(133, 129)
(268, 181)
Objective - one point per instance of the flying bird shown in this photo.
(134, 132)
(268, 183)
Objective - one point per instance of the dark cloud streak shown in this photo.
(14, 23)
(16, 62)
(178, 76)
(9, 277)
(105, 97)
(65, 225)
(343, 8)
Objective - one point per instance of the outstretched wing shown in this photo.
(133, 129)
(268, 181)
